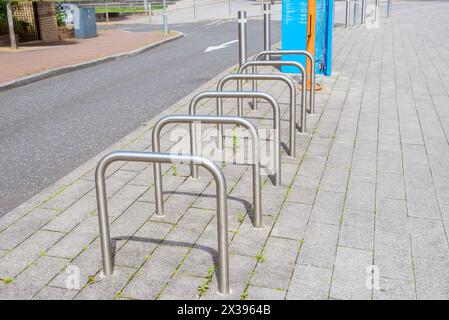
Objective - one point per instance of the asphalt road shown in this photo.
(51, 127)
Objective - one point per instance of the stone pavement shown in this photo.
(362, 212)
(37, 58)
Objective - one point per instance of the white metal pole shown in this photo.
(165, 17)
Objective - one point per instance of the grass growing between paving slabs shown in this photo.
(205, 286)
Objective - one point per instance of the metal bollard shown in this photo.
(376, 12)
(145, 6)
(164, 16)
(267, 28)
(194, 119)
(266, 41)
(348, 9)
(149, 12)
(389, 5)
(243, 46)
(296, 52)
(286, 63)
(222, 212)
(356, 6)
(107, 11)
(239, 95)
(195, 11)
(229, 8)
(363, 13)
(280, 77)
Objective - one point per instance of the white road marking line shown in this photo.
(221, 46)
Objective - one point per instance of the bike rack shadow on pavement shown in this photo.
(270, 53)
(222, 211)
(193, 120)
(280, 77)
(279, 64)
(240, 95)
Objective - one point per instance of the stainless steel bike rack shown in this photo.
(240, 95)
(280, 77)
(312, 69)
(284, 63)
(222, 215)
(193, 119)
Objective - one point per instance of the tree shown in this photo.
(12, 34)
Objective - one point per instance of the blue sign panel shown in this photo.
(294, 30)
(294, 33)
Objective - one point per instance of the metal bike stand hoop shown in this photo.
(285, 63)
(280, 77)
(235, 94)
(270, 53)
(222, 214)
(193, 119)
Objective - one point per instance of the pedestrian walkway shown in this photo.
(362, 213)
(42, 57)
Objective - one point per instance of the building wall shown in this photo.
(46, 16)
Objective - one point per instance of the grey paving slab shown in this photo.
(319, 246)
(69, 195)
(116, 181)
(52, 293)
(25, 227)
(328, 207)
(349, 280)
(304, 189)
(250, 241)
(292, 212)
(152, 277)
(108, 288)
(393, 255)
(73, 215)
(139, 246)
(428, 238)
(361, 195)
(309, 283)
(390, 186)
(334, 179)
(75, 242)
(393, 289)
(277, 260)
(261, 293)
(88, 262)
(391, 216)
(242, 267)
(28, 283)
(182, 288)
(28, 251)
(357, 230)
(431, 279)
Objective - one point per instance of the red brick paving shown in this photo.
(30, 59)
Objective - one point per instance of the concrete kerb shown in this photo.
(74, 67)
